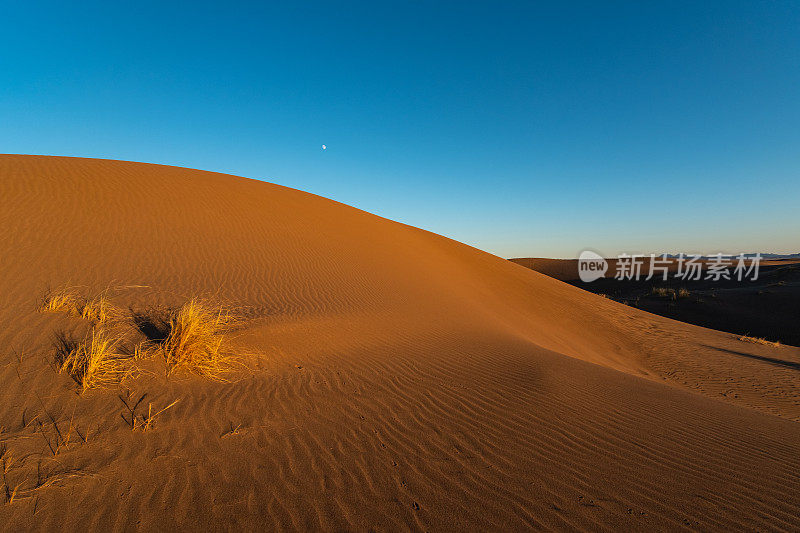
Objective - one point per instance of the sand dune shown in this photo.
(402, 380)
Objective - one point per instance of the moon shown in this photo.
(324, 147)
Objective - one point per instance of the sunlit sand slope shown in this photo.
(396, 379)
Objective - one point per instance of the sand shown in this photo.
(397, 379)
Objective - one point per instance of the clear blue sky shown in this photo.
(524, 130)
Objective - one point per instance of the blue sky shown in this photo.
(523, 129)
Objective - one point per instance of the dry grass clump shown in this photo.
(64, 300)
(759, 340)
(195, 339)
(191, 337)
(99, 310)
(95, 361)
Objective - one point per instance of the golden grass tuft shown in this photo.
(95, 361)
(196, 337)
(65, 300)
(191, 338)
(100, 310)
(759, 340)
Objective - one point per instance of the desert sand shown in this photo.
(395, 379)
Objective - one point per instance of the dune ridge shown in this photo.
(408, 381)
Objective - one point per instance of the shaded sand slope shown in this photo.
(407, 380)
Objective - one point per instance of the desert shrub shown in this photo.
(663, 292)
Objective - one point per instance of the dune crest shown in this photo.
(409, 381)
